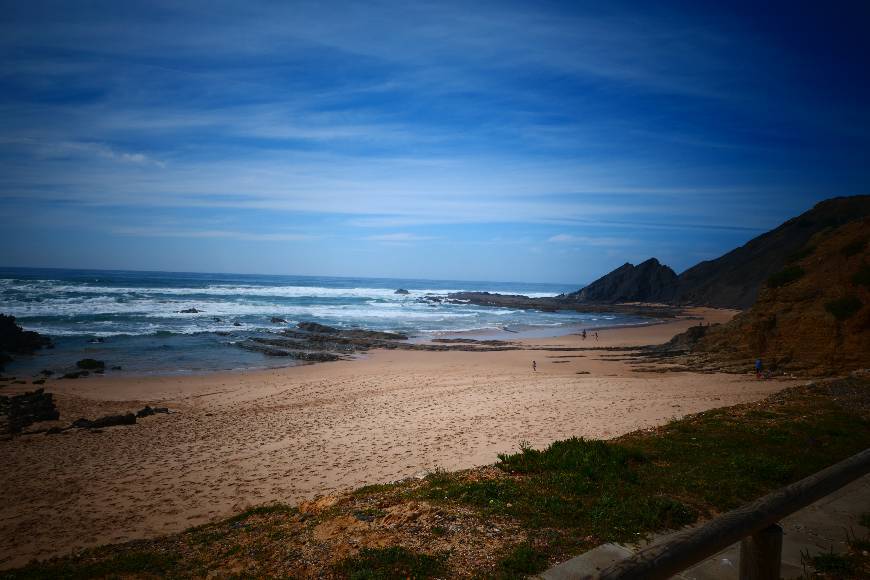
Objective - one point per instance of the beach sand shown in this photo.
(241, 439)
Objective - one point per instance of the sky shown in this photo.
(512, 141)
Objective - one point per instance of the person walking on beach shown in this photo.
(584, 334)
(534, 366)
(596, 336)
(758, 368)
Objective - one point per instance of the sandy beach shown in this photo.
(240, 439)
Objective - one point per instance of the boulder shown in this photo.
(401, 291)
(91, 364)
(148, 410)
(190, 311)
(276, 320)
(15, 340)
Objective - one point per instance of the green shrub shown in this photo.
(844, 308)
(785, 276)
(853, 248)
(862, 276)
(800, 254)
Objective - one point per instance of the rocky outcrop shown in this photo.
(649, 281)
(401, 291)
(15, 340)
(314, 342)
(557, 303)
(316, 327)
(20, 411)
(190, 311)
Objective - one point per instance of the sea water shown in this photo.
(135, 320)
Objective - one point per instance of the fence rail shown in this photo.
(754, 524)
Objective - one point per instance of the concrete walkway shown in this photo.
(820, 527)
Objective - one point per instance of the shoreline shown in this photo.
(237, 439)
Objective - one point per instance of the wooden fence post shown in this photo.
(761, 554)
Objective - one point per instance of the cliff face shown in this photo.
(813, 315)
(734, 280)
(649, 281)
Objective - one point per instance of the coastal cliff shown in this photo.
(812, 316)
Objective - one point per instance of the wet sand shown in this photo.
(240, 439)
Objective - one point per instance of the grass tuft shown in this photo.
(392, 562)
(786, 276)
(522, 560)
(844, 308)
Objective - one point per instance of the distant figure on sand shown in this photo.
(534, 366)
(596, 336)
(584, 335)
(758, 368)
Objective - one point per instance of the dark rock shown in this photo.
(97, 340)
(190, 311)
(15, 340)
(91, 364)
(107, 421)
(276, 320)
(46, 372)
(39, 382)
(401, 291)
(20, 411)
(117, 368)
(649, 281)
(237, 323)
(75, 375)
(216, 319)
(148, 410)
(319, 328)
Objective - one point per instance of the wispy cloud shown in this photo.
(206, 233)
(591, 240)
(398, 237)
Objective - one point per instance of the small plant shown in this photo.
(844, 308)
(837, 565)
(785, 276)
(261, 510)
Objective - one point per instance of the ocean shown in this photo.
(136, 320)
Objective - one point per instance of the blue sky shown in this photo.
(530, 141)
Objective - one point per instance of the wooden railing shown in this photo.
(754, 525)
